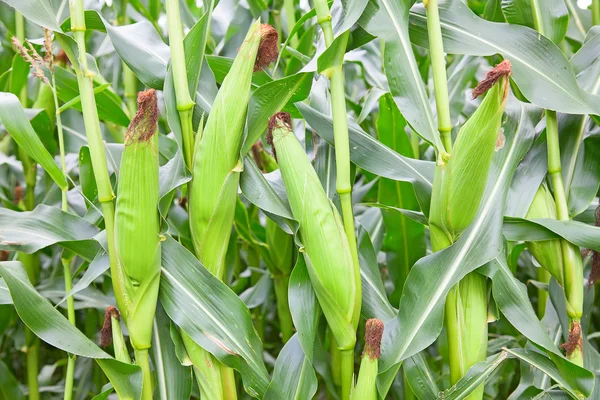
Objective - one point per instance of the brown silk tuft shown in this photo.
(374, 331)
(267, 50)
(106, 332)
(499, 71)
(143, 126)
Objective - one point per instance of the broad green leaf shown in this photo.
(419, 320)
(404, 241)
(389, 21)
(259, 189)
(580, 21)
(271, 98)
(41, 12)
(537, 360)
(173, 380)
(475, 376)
(87, 180)
(419, 377)
(18, 126)
(579, 143)
(293, 377)
(550, 85)
(52, 327)
(96, 268)
(110, 106)
(371, 155)
(551, 16)
(578, 233)
(511, 298)
(18, 74)
(9, 385)
(374, 299)
(211, 314)
(142, 49)
(528, 178)
(93, 21)
(31, 231)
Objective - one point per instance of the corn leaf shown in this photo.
(374, 157)
(34, 230)
(420, 378)
(552, 16)
(211, 314)
(548, 85)
(173, 380)
(17, 124)
(404, 241)
(293, 376)
(537, 360)
(109, 104)
(421, 308)
(475, 376)
(578, 233)
(53, 328)
(41, 12)
(390, 22)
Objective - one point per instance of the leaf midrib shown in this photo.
(472, 236)
(512, 57)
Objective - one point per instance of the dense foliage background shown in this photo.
(389, 90)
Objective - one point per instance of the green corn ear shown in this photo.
(326, 250)
(137, 233)
(366, 385)
(547, 252)
(216, 164)
(466, 174)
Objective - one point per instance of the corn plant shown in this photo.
(353, 200)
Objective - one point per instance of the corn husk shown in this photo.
(216, 165)
(366, 384)
(466, 173)
(137, 227)
(548, 253)
(333, 275)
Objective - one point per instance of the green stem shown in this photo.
(97, 152)
(596, 12)
(544, 277)
(347, 366)
(66, 262)
(185, 104)
(30, 261)
(206, 369)
(438, 66)
(141, 359)
(33, 356)
(343, 179)
(283, 308)
(572, 263)
(408, 393)
(290, 16)
(228, 383)
(69, 377)
(129, 79)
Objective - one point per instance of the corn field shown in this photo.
(292, 200)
